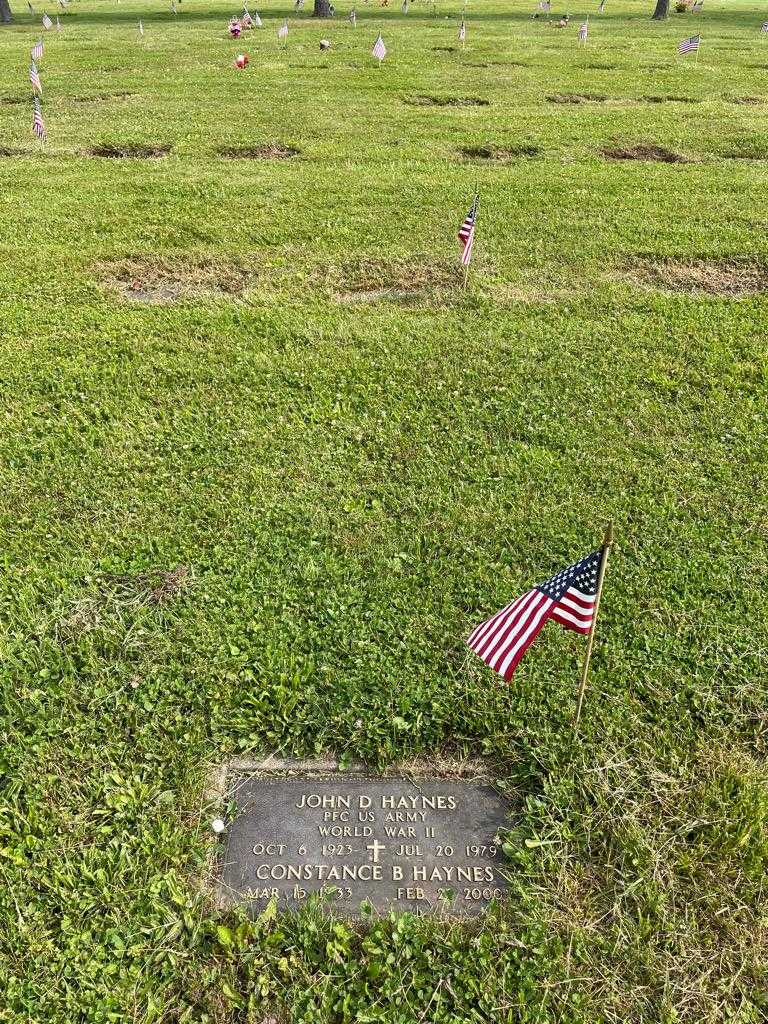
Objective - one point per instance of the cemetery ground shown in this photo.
(264, 465)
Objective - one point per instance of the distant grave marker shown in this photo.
(395, 842)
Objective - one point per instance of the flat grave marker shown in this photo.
(396, 842)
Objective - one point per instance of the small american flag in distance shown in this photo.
(689, 45)
(379, 50)
(47, 23)
(467, 233)
(37, 120)
(34, 77)
(568, 597)
(583, 32)
(37, 50)
(764, 27)
(462, 32)
(282, 32)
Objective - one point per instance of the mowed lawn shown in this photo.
(264, 464)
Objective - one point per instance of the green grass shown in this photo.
(353, 483)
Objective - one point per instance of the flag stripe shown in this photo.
(483, 628)
(497, 643)
(512, 660)
(498, 625)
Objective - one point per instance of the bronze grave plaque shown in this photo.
(395, 842)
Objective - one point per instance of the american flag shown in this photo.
(37, 50)
(467, 233)
(545, 5)
(601, 8)
(256, 19)
(462, 32)
(47, 23)
(58, 24)
(583, 32)
(764, 27)
(282, 32)
(379, 50)
(689, 45)
(353, 18)
(246, 21)
(568, 598)
(141, 27)
(34, 77)
(697, 7)
(299, 4)
(404, 8)
(37, 120)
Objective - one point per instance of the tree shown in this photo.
(662, 9)
(322, 8)
(5, 12)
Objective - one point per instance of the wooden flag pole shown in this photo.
(607, 545)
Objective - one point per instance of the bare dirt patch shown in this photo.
(164, 281)
(101, 97)
(263, 151)
(670, 99)
(444, 49)
(129, 151)
(499, 64)
(577, 97)
(410, 280)
(730, 278)
(644, 151)
(447, 101)
(500, 154)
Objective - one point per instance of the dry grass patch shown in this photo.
(644, 151)
(263, 151)
(500, 154)
(10, 151)
(750, 101)
(447, 101)
(101, 97)
(577, 97)
(418, 278)
(163, 280)
(670, 99)
(129, 151)
(729, 278)
(115, 598)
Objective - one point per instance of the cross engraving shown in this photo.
(375, 846)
